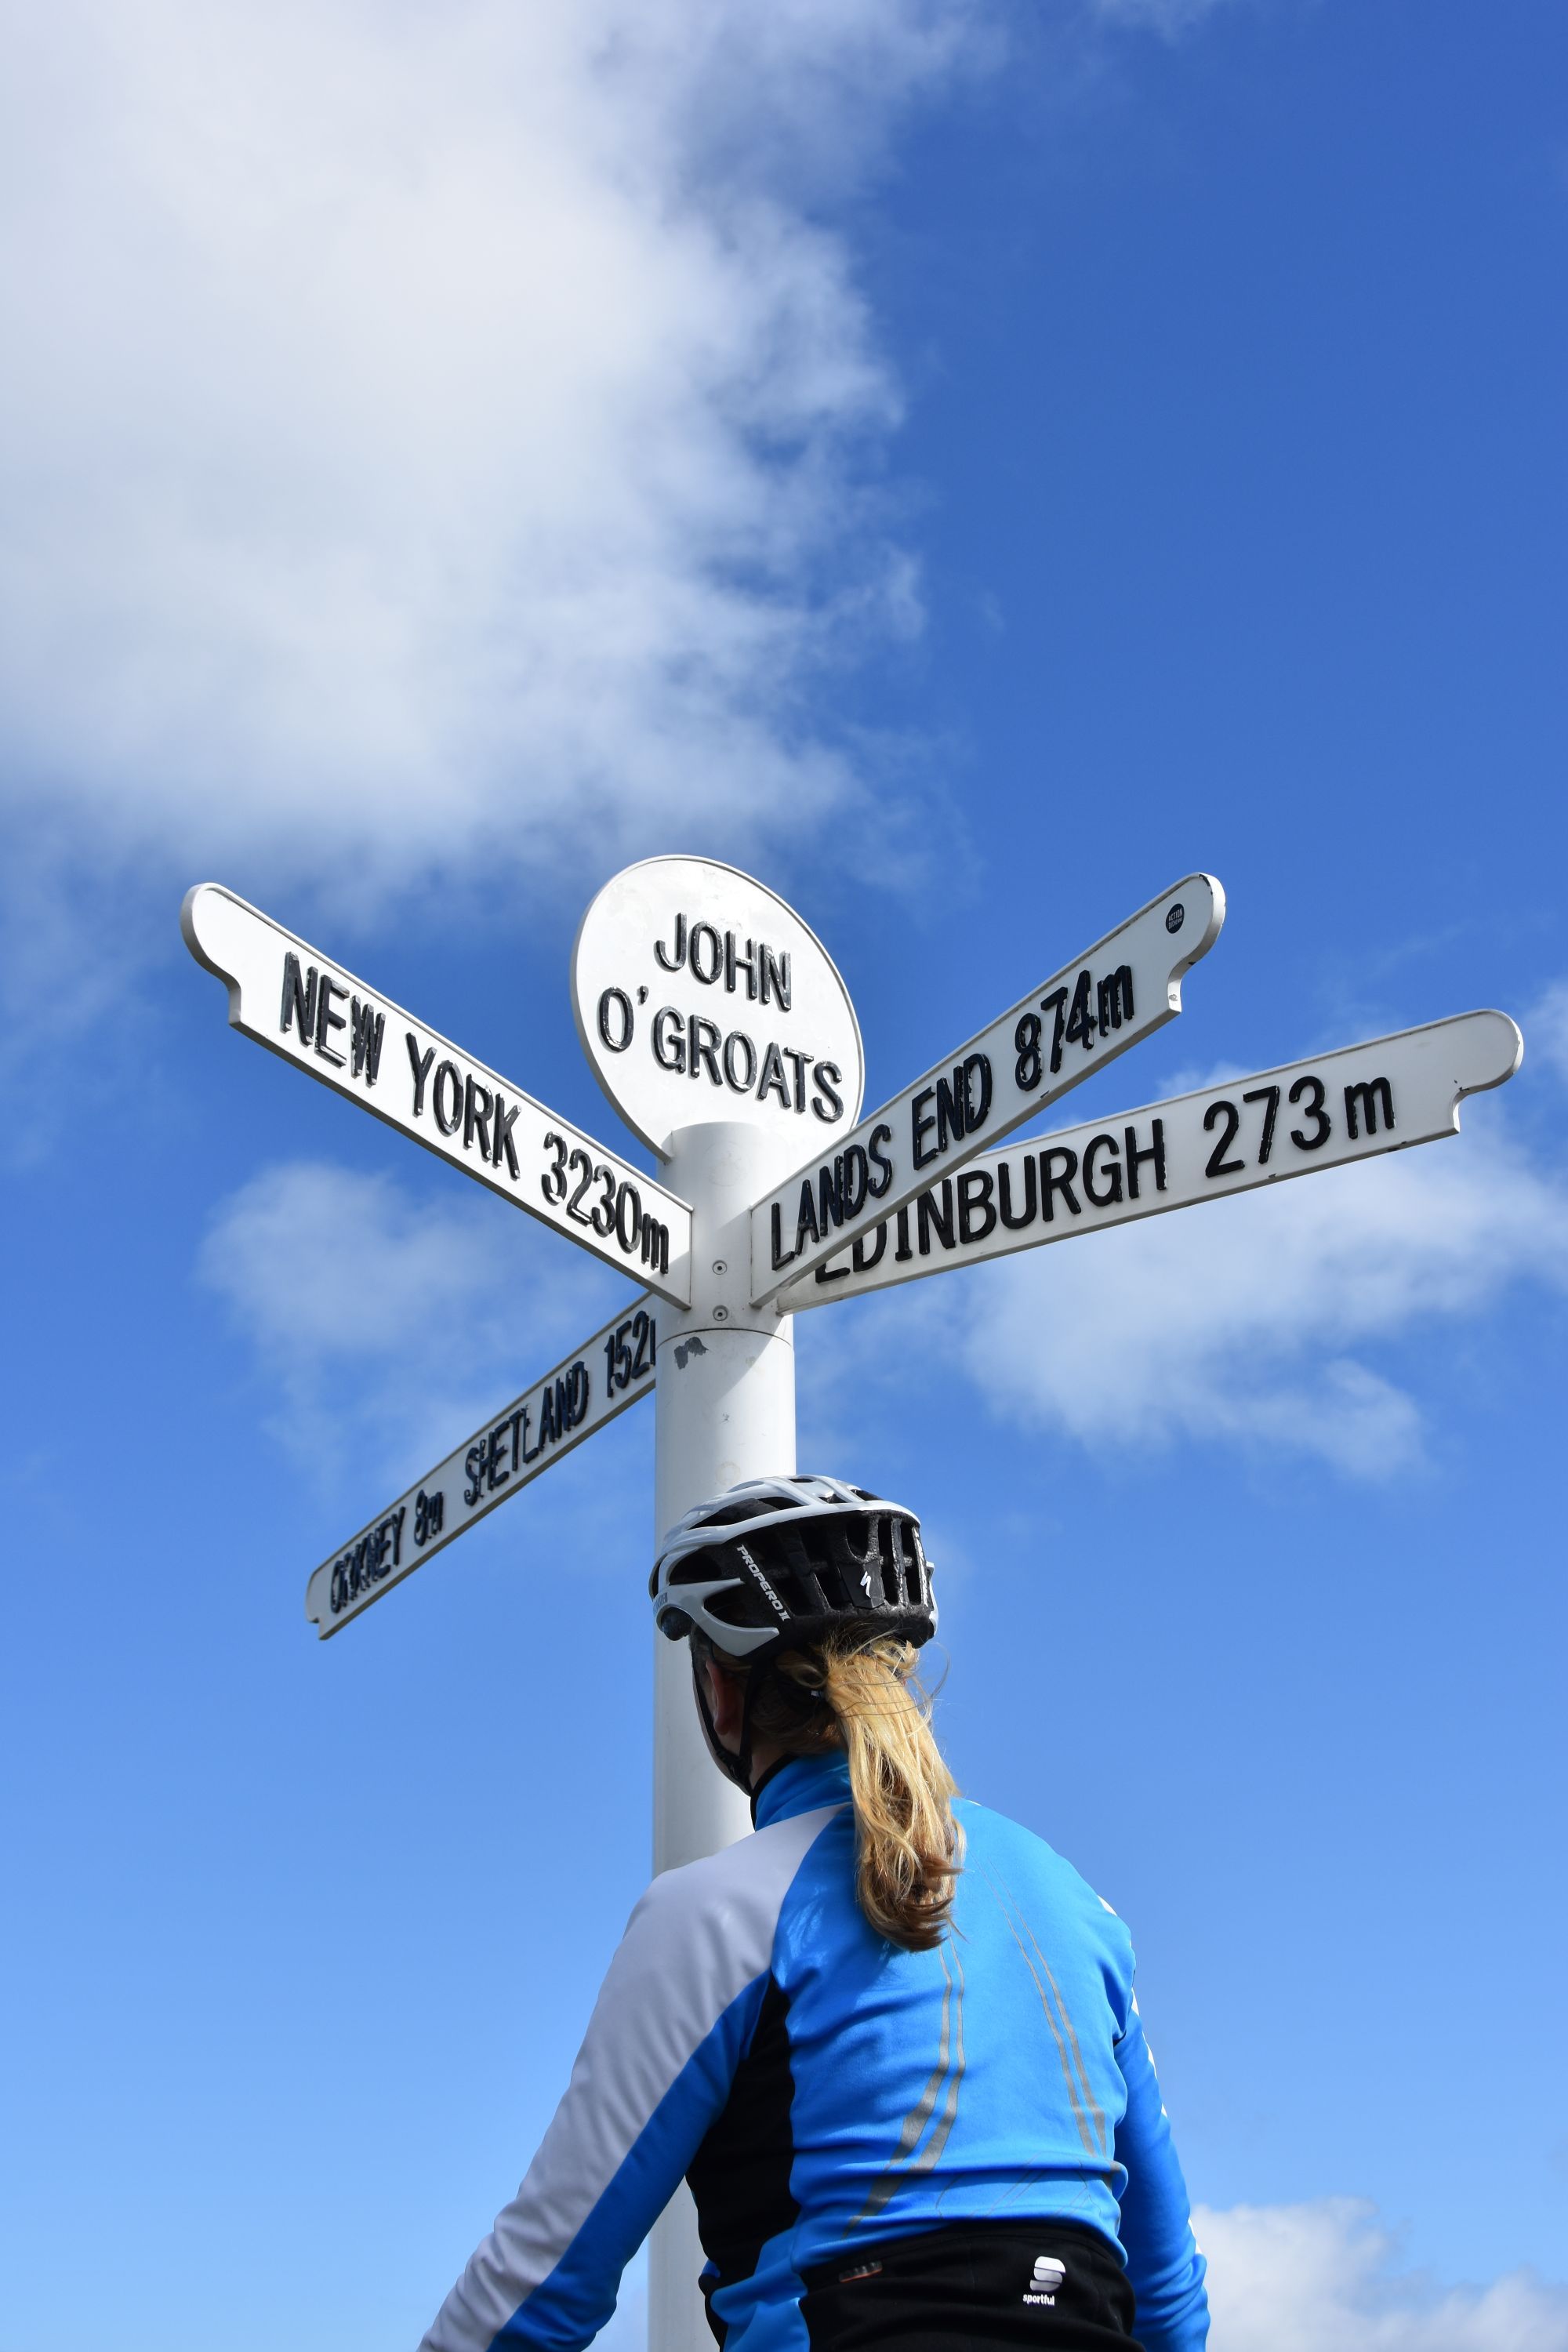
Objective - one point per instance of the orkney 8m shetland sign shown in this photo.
(294, 1000)
(699, 996)
(1119, 990)
(516, 1446)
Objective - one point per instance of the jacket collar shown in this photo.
(799, 1785)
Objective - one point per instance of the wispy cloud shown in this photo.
(1546, 1028)
(384, 1327)
(1322, 2278)
(440, 439)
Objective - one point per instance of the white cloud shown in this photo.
(1546, 1028)
(439, 437)
(1319, 2278)
(385, 1327)
(1250, 1324)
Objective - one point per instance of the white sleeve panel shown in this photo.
(699, 1936)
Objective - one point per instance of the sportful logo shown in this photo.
(1049, 2275)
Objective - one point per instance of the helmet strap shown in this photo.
(736, 1768)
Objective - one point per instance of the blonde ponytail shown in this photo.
(909, 1848)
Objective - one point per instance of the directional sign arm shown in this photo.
(292, 1000)
(1118, 991)
(1352, 1104)
(587, 1389)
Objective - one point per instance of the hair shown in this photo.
(858, 1691)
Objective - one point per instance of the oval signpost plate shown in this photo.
(700, 995)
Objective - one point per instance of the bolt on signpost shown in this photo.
(721, 1033)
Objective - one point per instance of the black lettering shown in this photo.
(921, 1128)
(743, 1084)
(396, 1523)
(854, 1181)
(628, 1218)
(515, 1425)
(1136, 1159)
(669, 1039)
(929, 1217)
(774, 1080)
(780, 1258)
(1055, 1004)
(976, 1092)
(447, 1071)
(828, 1272)
(548, 1421)
(298, 999)
(1269, 1095)
(1108, 1145)
(575, 1209)
(327, 1020)
(1059, 1166)
(948, 1111)
(368, 1027)
(702, 1043)
(825, 1078)
(866, 1249)
(496, 1470)
(473, 1462)
(714, 958)
(673, 961)
(830, 1194)
(879, 1184)
(645, 1334)
(805, 1226)
(735, 963)
(1080, 1020)
(539, 1448)
(614, 1001)
(420, 1066)
(505, 1120)
(1361, 1101)
(1113, 999)
(1313, 1091)
(655, 1244)
(1028, 1069)
(1005, 1193)
(576, 1394)
(800, 1060)
(976, 1211)
(478, 1105)
(904, 1250)
(1230, 1118)
(775, 976)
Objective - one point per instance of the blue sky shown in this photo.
(969, 466)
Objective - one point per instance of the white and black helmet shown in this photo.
(774, 1564)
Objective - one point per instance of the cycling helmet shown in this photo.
(774, 1564)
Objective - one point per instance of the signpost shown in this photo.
(721, 1031)
(1121, 989)
(292, 1000)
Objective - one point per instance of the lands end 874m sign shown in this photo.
(701, 996)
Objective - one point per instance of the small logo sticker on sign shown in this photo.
(1176, 916)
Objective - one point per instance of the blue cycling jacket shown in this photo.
(823, 2089)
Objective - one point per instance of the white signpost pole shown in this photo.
(722, 1034)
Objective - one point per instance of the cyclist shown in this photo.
(889, 2040)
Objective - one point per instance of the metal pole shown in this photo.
(725, 1411)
